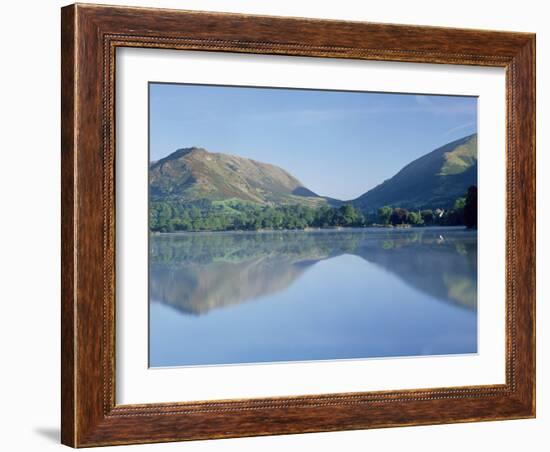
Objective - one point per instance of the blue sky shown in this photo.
(338, 143)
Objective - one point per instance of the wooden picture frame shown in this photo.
(90, 35)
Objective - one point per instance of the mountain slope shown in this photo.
(191, 174)
(434, 180)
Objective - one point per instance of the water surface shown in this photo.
(249, 297)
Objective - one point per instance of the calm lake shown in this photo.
(239, 297)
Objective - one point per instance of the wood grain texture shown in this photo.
(90, 36)
(68, 244)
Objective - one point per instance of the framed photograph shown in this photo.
(281, 225)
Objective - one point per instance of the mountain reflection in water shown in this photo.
(200, 272)
(229, 298)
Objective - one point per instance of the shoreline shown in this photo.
(313, 230)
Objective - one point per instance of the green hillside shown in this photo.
(194, 174)
(434, 180)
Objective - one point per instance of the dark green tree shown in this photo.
(399, 216)
(428, 216)
(384, 214)
(470, 208)
(415, 218)
(349, 216)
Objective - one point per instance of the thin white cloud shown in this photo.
(317, 116)
(459, 127)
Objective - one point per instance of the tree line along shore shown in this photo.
(235, 215)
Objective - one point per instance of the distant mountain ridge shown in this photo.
(434, 180)
(192, 174)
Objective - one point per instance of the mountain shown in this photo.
(192, 174)
(434, 180)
